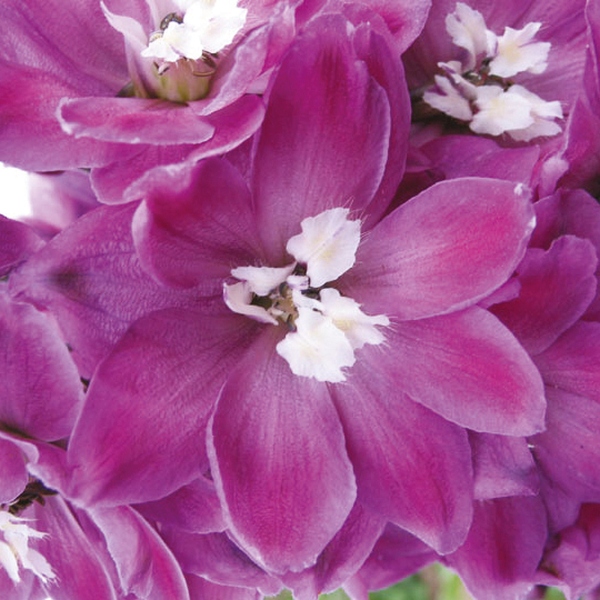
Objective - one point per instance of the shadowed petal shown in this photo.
(41, 392)
(90, 278)
(556, 288)
(503, 549)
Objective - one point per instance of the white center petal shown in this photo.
(15, 550)
(317, 348)
(238, 297)
(500, 111)
(360, 329)
(516, 53)
(327, 245)
(467, 28)
(261, 280)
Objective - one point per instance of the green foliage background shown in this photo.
(433, 583)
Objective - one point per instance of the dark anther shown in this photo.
(33, 492)
(170, 18)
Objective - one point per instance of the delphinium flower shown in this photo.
(143, 83)
(297, 429)
(503, 71)
(62, 94)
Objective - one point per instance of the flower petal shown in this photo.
(41, 393)
(556, 288)
(148, 404)
(195, 225)
(412, 466)
(278, 460)
(443, 250)
(90, 278)
(503, 549)
(468, 368)
(321, 149)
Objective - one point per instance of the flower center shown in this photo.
(323, 327)
(177, 60)
(479, 90)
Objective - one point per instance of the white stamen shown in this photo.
(517, 111)
(447, 99)
(15, 550)
(317, 348)
(478, 90)
(207, 26)
(238, 297)
(327, 245)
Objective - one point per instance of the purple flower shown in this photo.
(61, 99)
(290, 449)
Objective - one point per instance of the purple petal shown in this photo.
(145, 566)
(13, 473)
(278, 459)
(216, 557)
(133, 121)
(89, 277)
(195, 225)
(117, 183)
(41, 392)
(24, 116)
(503, 466)
(203, 589)
(468, 156)
(405, 18)
(556, 288)
(412, 466)
(148, 404)
(468, 368)
(568, 451)
(320, 149)
(396, 555)
(17, 242)
(443, 250)
(387, 70)
(194, 507)
(567, 212)
(503, 549)
(341, 558)
(572, 362)
(80, 570)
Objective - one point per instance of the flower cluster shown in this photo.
(308, 297)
